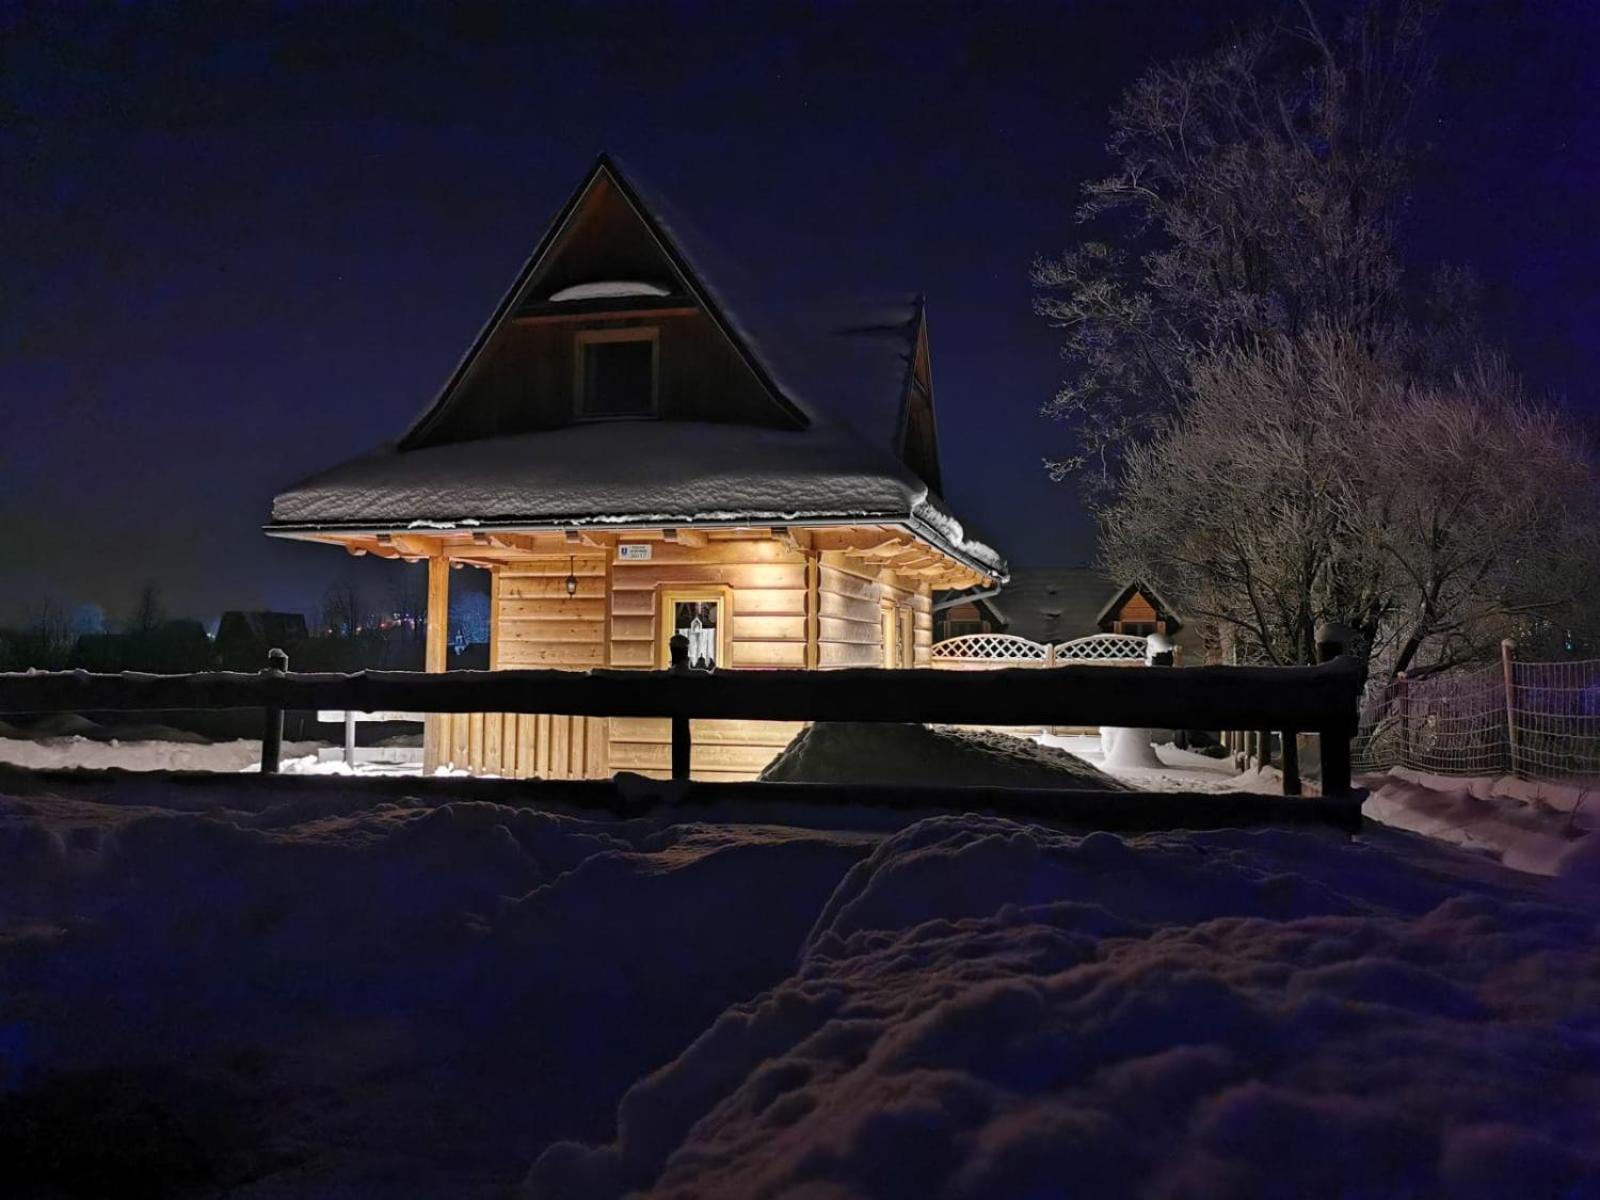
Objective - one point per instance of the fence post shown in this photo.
(1507, 650)
(1335, 743)
(1402, 695)
(678, 647)
(350, 738)
(1291, 763)
(272, 718)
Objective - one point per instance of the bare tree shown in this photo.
(148, 613)
(49, 639)
(407, 600)
(346, 611)
(1319, 477)
(1257, 192)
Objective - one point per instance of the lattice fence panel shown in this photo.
(990, 650)
(1104, 648)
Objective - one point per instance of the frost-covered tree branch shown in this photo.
(1257, 191)
(1319, 477)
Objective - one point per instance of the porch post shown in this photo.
(434, 657)
(682, 746)
(1332, 640)
(1291, 763)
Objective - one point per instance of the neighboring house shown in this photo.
(633, 447)
(1054, 605)
(243, 638)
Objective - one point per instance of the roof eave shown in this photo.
(308, 530)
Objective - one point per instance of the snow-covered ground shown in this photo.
(1534, 827)
(143, 754)
(1178, 770)
(274, 992)
(1538, 828)
(829, 752)
(1530, 827)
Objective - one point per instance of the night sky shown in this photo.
(242, 242)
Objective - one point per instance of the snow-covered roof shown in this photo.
(623, 473)
(845, 357)
(1054, 604)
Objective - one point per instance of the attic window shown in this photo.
(607, 289)
(616, 373)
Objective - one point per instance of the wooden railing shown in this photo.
(1321, 699)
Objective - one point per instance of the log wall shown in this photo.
(851, 605)
(766, 585)
(535, 624)
(790, 608)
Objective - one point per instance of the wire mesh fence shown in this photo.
(1534, 720)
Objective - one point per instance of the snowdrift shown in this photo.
(842, 752)
(270, 992)
(386, 999)
(985, 1009)
(1541, 828)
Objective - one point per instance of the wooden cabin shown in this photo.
(635, 447)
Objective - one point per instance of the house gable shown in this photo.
(525, 371)
(1139, 609)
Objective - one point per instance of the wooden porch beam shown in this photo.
(853, 542)
(419, 547)
(524, 542)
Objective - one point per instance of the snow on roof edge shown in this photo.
(928, 522)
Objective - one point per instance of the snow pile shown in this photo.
(1174, 770)
(1544, 832)
(985, 1009)
(840, 752)
(1127, 749)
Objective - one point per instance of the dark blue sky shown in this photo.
(241, 242)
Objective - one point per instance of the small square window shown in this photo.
(700, 616)
(616, 373)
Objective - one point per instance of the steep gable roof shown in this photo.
(604, 181)
(1139, 587)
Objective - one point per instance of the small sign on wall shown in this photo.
(634, 552)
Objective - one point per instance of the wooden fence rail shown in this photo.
(1320, 699)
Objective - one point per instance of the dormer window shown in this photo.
(616, 373)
